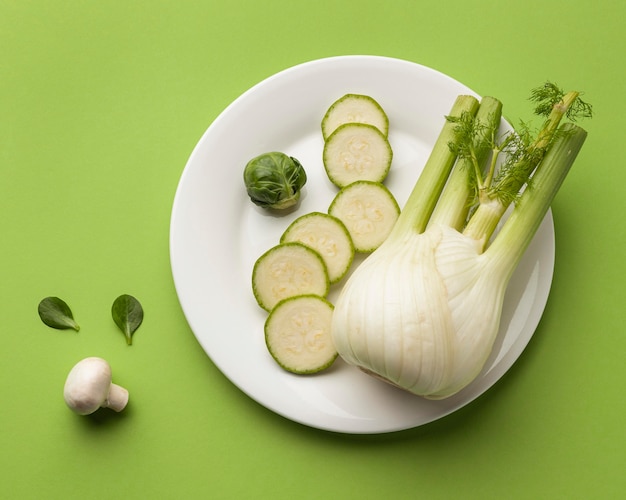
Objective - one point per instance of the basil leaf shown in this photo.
(128, 315)
(55, 313)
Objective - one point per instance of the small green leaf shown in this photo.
(55, 313)
(128, 315)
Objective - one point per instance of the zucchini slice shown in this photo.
(356, 151)
(368, 210)
(328, 236)
(354, 108)
(286, 270)
(297, 334)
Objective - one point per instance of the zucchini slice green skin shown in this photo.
(328, 236)
(354, 108)
(356, 151)
(297, 334)
(368, 210)
(287, 270)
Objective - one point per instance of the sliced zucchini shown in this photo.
(297, 334)
(356, 151)
(354, 108)
(286, 270)
(368, 210)
(328, 236)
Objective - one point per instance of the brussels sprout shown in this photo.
(274, 180)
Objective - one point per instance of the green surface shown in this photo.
(101, 104)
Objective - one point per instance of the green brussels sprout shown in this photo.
(274, 180)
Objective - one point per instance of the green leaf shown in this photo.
(55, 313)
(128, 315)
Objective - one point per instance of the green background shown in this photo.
(101, 104)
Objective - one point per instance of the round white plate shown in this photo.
(216, 235)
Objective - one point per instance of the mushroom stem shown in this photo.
(117, 399)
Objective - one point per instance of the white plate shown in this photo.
(216, 235)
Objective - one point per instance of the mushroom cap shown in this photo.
(87, 386)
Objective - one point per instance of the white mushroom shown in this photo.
(88, 387)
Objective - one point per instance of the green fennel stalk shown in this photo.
(423, 198)
(466, 181)
(519, 229)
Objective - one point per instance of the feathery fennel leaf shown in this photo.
(549, 94)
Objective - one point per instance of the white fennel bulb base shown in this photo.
(422, 315)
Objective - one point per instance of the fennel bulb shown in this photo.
(423, 311)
